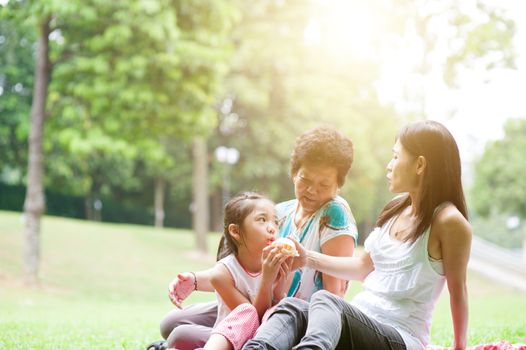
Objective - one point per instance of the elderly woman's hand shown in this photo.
(301, 260)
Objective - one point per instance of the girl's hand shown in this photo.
(283, 280)
(181, 287)
(284, 269)
(272, 260)
(301, 260)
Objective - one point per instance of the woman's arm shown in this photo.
(338, 246)
(454, 234)
(346, 268)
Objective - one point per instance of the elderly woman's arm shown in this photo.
(338, 246)
(455, 240)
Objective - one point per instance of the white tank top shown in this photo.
(404, 286)
(245, 282)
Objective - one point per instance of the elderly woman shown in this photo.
(319, 219)
(422, 240)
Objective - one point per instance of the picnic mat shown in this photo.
(501, 345)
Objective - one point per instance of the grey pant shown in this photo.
(328, 322)
(190, 327)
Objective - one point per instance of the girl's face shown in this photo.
(315, 185)
(402, 170)
(260, 227)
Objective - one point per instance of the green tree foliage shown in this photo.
(90, 163)
(16, 83)
(133, 81)
(499, 186)
(133, 73)
(140, 68)
(484, 38)
(280, 86)
(117, 70)
(125, 76)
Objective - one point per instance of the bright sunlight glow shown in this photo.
(342, 27)
(348, 30)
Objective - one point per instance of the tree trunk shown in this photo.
(88, 207)
(93, 202)
(216, 212)
(34, 204)
(160, 187)
(200, 192)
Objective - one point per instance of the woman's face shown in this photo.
(402, 170)
(315, 185)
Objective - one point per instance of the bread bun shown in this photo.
(287, 246)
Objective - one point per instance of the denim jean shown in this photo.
(328, 322)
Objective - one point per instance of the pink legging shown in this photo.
(240, 325)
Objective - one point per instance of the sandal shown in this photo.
(157, 345)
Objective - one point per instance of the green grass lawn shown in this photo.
(104, 287)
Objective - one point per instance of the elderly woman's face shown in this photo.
(314, 185)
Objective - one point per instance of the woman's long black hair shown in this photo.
(441, 182)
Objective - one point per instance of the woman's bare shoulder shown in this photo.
(448, 220)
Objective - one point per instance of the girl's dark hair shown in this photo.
(235, 212)
(323, 146)
(441, 181)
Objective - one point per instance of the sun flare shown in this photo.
(342, 28)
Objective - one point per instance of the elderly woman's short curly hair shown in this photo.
(323, 146)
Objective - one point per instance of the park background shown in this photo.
(138, 119)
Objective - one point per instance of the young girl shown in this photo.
(251, 270)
